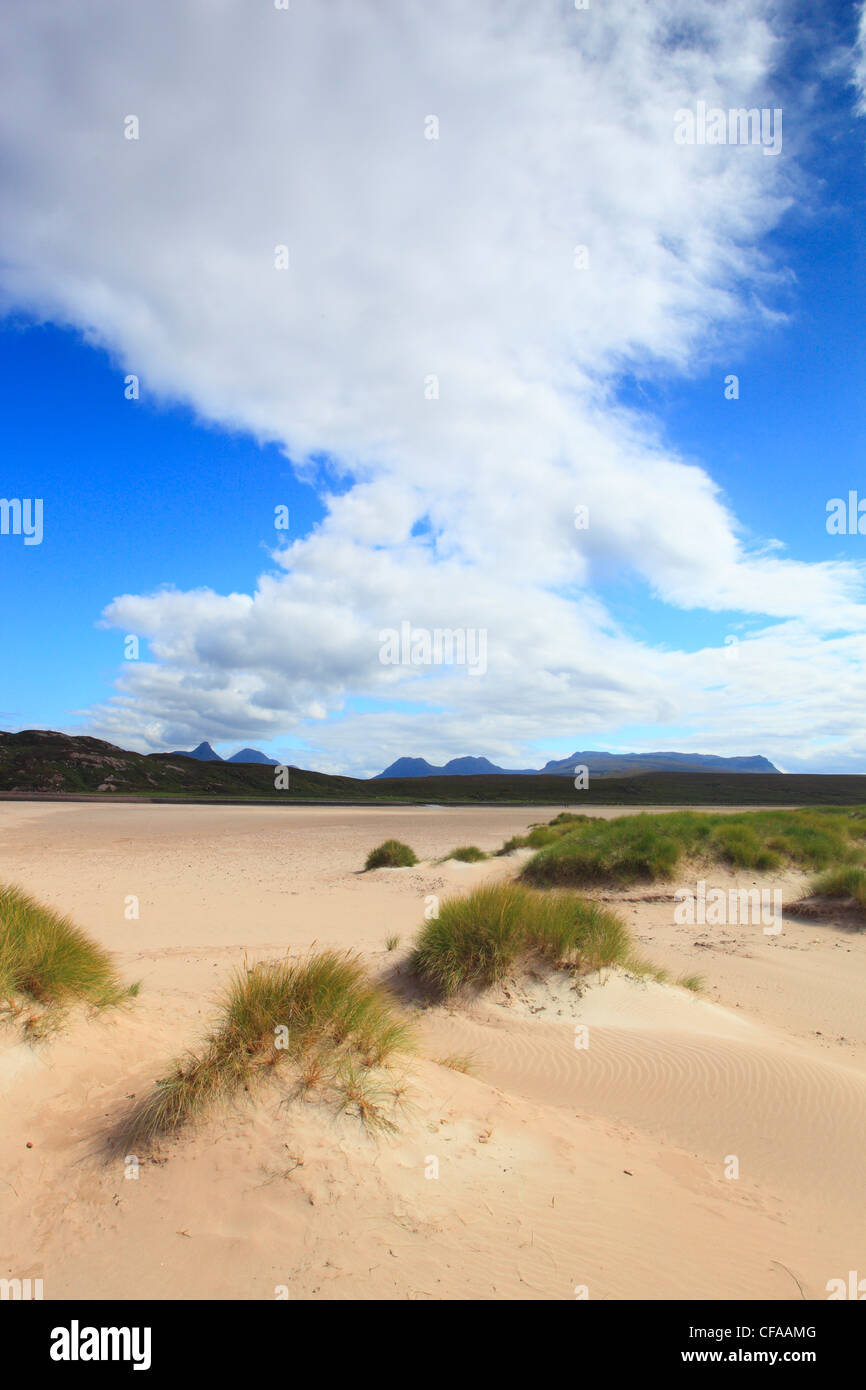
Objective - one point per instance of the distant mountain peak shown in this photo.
(599, 763)
(410, 767)
(252, 755)
(467, 766)
(204, 753)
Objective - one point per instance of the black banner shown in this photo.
(151, 1338)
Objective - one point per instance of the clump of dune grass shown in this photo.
(644, 848)
(744, 846)
(515, 842)
(364, 1095)
(321, 1015)
(638, 847)
(392, 942)
(457, 1061)
(466, 854)
(479, 939)
(535, 839)
(695, 983)
(391, 854)
(47, 961)
(546, 834)
(644, 969)
(848, 881)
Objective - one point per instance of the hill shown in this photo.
(43, 762)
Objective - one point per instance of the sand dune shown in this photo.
(559, 1168)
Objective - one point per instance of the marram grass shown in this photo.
(631, 849)
(321, 1015)
(540, 835)
(849, 881)
(465, 854)
(479, 939)
(458, 1061)
(47, 960)
(391, 854)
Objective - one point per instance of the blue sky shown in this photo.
(138, 495)
(253, 395)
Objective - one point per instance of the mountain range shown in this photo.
(205, 754)
(599, 764)
(37, 763)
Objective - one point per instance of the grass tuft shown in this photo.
(846, 882)
(477, 939)
(321, 1014)
(545, 834)
(458, 1061)
(365, 1096)
(391, 854)
(467, 854)
(644, 969)
(516, 842)
(693, 982)
(47, 960)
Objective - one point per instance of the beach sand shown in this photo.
(563, 1171)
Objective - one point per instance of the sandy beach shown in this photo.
(549, 1171)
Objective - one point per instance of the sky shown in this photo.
(437, 285)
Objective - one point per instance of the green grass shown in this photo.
(693, 982)
(467, 854)
(47, 960)
(362, 1093)
(458, 1061)
(516, 842)
(541, 835)
(647, 847)
(478, 939)
(392, 942)
(846, 882)
(391, 854)
(320, 1015)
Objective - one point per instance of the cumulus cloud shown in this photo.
(449, 331)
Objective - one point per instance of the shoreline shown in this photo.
(110, 799)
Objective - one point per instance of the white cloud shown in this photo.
(859, 62)
(411, 257)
